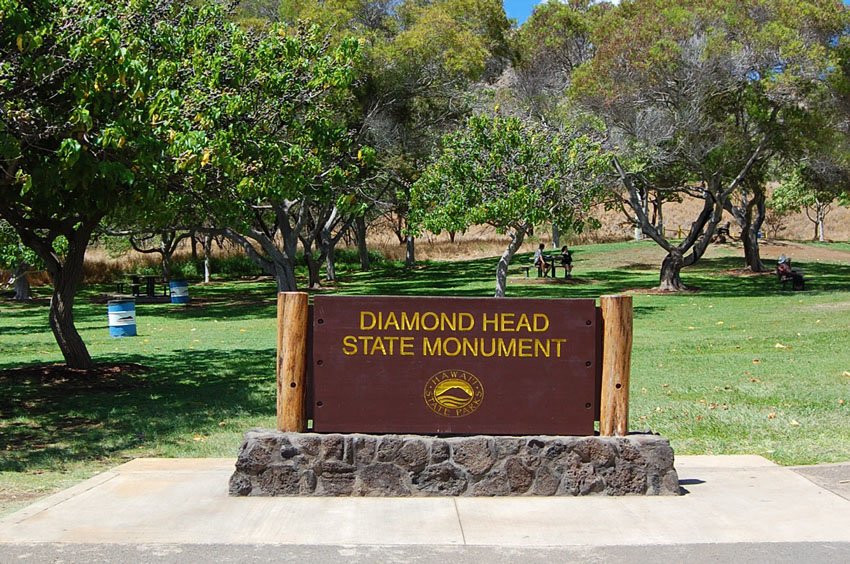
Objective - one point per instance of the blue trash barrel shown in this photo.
(179, 291)
(122, 318)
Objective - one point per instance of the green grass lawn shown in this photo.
(738, 366)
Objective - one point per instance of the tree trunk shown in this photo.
(207, 252)
(410, 251)
(821, 231)
(194, 247)
(313, 279)
(750, 236)
(22, 283)
(284, 276)
(556, 237)
(66, 280)
(671, 268)
(330, 261)
(362, 249)
(274, 262)
(166, 267)
(517, 238)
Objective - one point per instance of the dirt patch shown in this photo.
(802, 253)
(746, 273)
(101, 377)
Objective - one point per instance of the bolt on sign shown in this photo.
(454, 365)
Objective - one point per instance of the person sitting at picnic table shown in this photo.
(566, 261)
(540, 260)
(783, 268)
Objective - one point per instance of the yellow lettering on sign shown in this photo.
(507, 350)
(524, 348)
(409, 323)
(435, 321)
(558, 346)
(391, 321)
(370, 324)
(451, 346)
(432, 350)
(541, 322)
(513, 323)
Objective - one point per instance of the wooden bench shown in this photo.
(553, 266)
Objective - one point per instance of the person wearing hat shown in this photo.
(785, 273)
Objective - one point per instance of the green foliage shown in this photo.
(115, 246)
(420, 61)
(234, 266)
(510, 174)
(12, 251)
(351, 259)
(809, 184)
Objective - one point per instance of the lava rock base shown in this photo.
(271, 463)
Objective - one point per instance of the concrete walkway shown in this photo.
(730, 499)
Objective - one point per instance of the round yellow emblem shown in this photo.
(453, 393)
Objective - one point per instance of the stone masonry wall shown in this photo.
(271, 463)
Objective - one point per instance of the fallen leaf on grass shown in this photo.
(794, 423)
(771, 415)
(841, 402)
(756, 361)
(780, 346)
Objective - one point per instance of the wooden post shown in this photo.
(292, 361)
(616, 365)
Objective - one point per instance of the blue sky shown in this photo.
(519, 9)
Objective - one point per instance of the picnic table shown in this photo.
(138, 282)
(554, 261)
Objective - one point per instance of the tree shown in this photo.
(813, 186)
(547, 49)
(420, 60)
(260, 135)
(17, 257)
(512, 175)
(110, 108)
(76, 136)
(699, 96)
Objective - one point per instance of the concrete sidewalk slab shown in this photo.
(731, 499)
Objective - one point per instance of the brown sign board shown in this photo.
(454, 365)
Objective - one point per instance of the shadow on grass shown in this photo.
(725, 277)
(49, 420)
